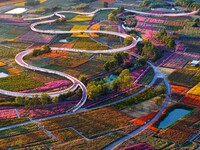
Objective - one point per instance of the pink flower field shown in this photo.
(51, 86)
(46, 110)
(14, 21)
(179, 60)
(7, 114)
(179, 46)
(35, 37)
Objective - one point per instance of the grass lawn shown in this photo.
(88, 44)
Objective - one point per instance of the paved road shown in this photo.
(158, 74)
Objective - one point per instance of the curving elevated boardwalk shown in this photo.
(76, 82)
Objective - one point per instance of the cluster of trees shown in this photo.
(128, 40)
(146, 95)
(43, 50)
(32, 2)
(44, 99)
(113, 14)
(119, 59)
(35, 100)
(189, 4)
(149, 51)
(99, 88)
(130, 22)
(61, 20)
(124, 80)
(153, 3)
(105, 4)
(165, 38)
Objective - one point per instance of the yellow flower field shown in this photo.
(95, 27)
(23, 3)
(14, 71)
(2, 64)
(82, 28)
(195, 90)
(78, 18)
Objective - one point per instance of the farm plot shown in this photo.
(183, 128)
(192, 45)
(147, 77)
(178, 89)
(46, 110)
(183, 77)
(7, 114)
(21, 83)
(179, 60)
(79, 18)
(18, 130)
(88, 44)
(190, 32)
(66, 135)
(34, 37)
(69, 62)
(195, 90)
(102, 15)
(191, 100)
(79, 28)
(96, 143)
(2, 64)
(23, 139)
(166, 71)
(6, 52)
(8, 122)
(17, 45)
(148, 137)
(10, 32)
(91, 122)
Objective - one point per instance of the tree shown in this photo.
(112, 17)
(27, 102)
(128, 40)
(44, 98)
(120, 9)
(83, 79)
(35, 100)
(19, 100)
(110, 65)
(46, 48)
(116, 84)
(125, 78)
(55, 99)
(105, 4)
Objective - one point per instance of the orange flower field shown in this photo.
(109, 1)
(179, 89)
(191, 99)
(141, 120)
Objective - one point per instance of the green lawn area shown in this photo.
(19, 83)
(102, 15)
(148, 77)
(9, 32)
(88, 44)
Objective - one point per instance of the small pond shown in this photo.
(111, 78)
(3, 74)
(173, 116)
